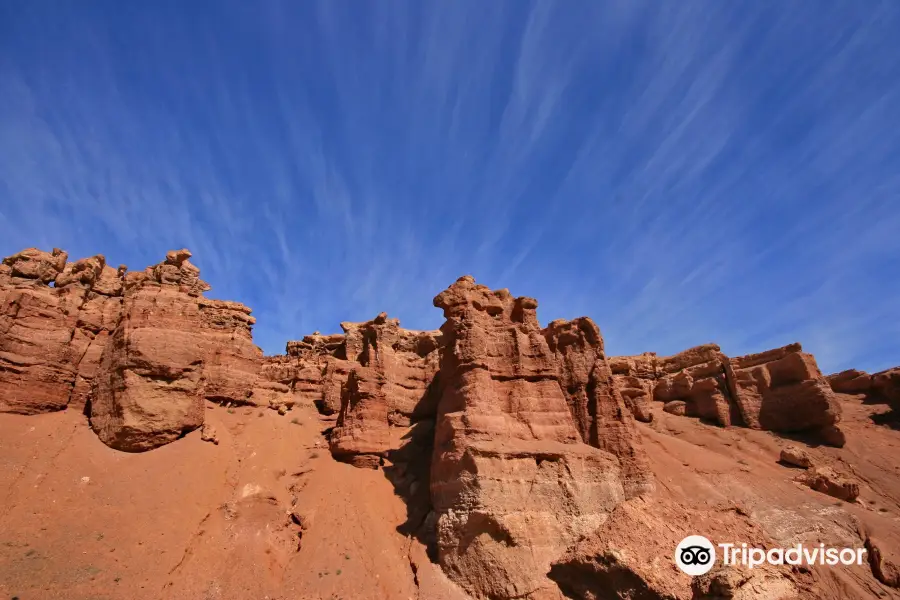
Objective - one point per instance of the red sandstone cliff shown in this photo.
(512, 482)
(530, 463)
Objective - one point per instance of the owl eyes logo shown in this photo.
(695, 555)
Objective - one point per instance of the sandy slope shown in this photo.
(202, 521)
(197, 520)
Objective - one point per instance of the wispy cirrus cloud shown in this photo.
(682, 173)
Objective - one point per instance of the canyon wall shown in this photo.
(512, 444)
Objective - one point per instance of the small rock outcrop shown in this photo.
(778, 390)
(697, 377)
(796, 457)
(782, 390)
(882, 387)
(827, 481)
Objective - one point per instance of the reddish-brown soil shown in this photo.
(194, 520)
(82, 521)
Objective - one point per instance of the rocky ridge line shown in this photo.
(514, 446)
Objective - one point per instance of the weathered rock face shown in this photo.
(779, 390)
(625, 558)
(597, 406)
(697, 377)
(51, 337)
(782, 390)
(886, 384)
(882, 387)
(387, 392)
(171, 350)
(376, 380)
(828, 481)
(312, 371)
(54, 340)
(512, 482)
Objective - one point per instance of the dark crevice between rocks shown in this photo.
(323, 408)
(726, 385)
(889, 419)
(529, 378)
(409, 471)
(413, 567)
(86, 411)
(580, 582)
(227, 402)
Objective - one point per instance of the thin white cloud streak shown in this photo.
(664, 225)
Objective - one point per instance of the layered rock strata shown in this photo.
(388, 400)
(138, 351)
(55, 319)
(512, 444)
(882, 387)
(512, 482)
(597, 405)
(171, 349)
(779, 390)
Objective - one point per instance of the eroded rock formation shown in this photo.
(171, 350)
(51, 338)
(389, 391)
(512, 482)
(138, 350)
(882, 387)
(779, 390)
(596, 403)
(516, 448)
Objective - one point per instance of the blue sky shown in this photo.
(682, 172)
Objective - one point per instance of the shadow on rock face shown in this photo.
(890, 418)
(409, 471)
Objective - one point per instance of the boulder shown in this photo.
(796, 456)
(676, 407)
(851, 381)
(827, 481)
(208, 434)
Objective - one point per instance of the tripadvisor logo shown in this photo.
(696, 555)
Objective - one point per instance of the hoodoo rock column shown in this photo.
(512, 483)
